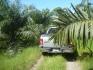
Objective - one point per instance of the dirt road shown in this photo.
(70, 65)
(39, 61)
(73, 65)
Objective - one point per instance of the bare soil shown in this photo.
(39, 61)
(73, 65)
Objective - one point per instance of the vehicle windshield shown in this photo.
(52, 31)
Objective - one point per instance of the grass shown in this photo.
(53, 63)
(22, 61)
(87, 63)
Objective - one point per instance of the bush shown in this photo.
(27, 38)
(3, 41)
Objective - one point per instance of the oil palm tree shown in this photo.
(76, 27)
(38, 21)
(11, 19)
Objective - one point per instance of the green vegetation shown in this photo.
(53, 63)
(76, 27)
(21, 61)
(87, 63)
(21, 25)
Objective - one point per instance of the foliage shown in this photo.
(11, 20)
(41, 19)
(76, 27)
(53, 63)
(16, 21)
(3, 41)
(22, 25)
(87, 63)
(27, 38)
(37, 22)
(22, 61)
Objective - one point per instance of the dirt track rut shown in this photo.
(73, 65)
(39, 61)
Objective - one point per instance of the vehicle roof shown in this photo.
(53, 27)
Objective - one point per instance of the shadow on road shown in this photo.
(90, 69)
(67, 56)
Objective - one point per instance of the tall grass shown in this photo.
(87, 63)
(22, 61)
(53, 63)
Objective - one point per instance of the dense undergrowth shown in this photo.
(20, 61)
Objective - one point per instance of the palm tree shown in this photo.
(38, 21)
(76, 27)
(11, 20)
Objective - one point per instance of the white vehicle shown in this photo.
(48, 46)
